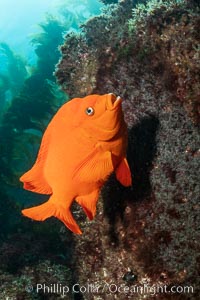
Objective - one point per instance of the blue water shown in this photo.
(19, 20)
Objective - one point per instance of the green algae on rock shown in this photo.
(149, 55)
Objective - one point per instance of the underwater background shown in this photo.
(148, 52)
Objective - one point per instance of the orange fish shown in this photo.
(83, 144)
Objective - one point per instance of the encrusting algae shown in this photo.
(84, 143)
(146, 234)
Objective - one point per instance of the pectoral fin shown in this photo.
(123, 173)
(97, 166)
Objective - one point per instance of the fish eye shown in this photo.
(89, 111)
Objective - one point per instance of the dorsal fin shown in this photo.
(34, 179)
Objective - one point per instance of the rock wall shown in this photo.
(149, 233)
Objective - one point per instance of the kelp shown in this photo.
(33, 106)
(77, 12)
(46, 46)
(106, 2)
(21, 130)
(15, 68)
(12, 75)
(39, 96)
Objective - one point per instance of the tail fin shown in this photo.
(49, 209)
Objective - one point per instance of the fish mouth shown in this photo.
(112, 102)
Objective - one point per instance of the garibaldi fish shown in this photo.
(83, 144)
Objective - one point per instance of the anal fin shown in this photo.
(88, 203)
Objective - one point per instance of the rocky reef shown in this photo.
(149, 233)
(144, 240)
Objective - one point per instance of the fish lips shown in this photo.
(113, 102)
